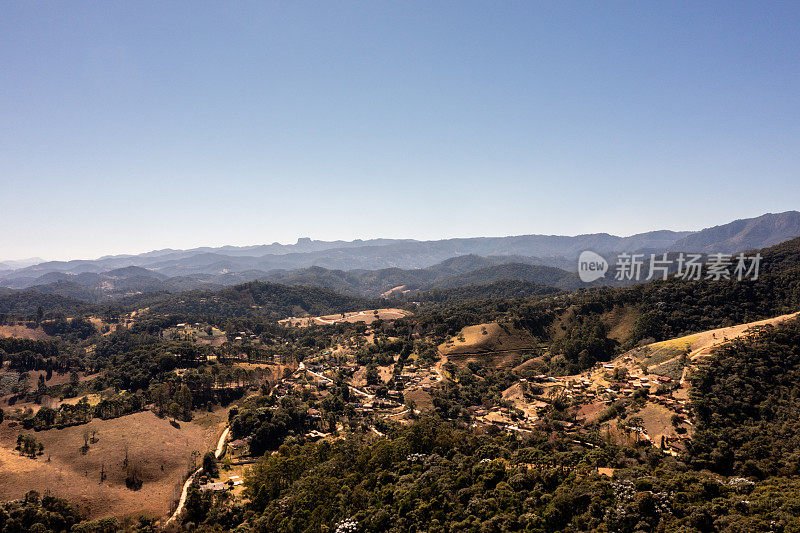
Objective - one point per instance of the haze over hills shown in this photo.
(374, 267)
(547, 249)
(451, 273)
(779, 276)
(11, 264)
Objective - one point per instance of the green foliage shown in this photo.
(28, 445)
(503, 289)
(47, 514)
(269, 428)
(210, 467)
(27, 303)
(77, 328)
(584, 344)
(476, 385)
(746, 402)
(432, 476)
(371, 376)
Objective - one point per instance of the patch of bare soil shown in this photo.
(23, 332)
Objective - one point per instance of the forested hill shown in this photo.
(543, 275)
(746, 403)
(662, 309)
(25, 303)
(657, 310)
(673, 307)
(261, 299)
(370, 269)
(502, 289)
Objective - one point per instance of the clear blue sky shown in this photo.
(132, 126)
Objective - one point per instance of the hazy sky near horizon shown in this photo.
(133, 126)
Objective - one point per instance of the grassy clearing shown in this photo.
(368, 317)
(161, 453)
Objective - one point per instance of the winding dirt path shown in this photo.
(182, 502)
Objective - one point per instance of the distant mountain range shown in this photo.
(451, 273)
(745, 234)
(381, 266)
(20, 263)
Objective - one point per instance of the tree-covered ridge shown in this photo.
(504, 289)
(746, 401)
(663, 309)
(261, 299)
(24, 303)
(668, 308)
(252, 299)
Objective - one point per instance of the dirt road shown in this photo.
(217, 453)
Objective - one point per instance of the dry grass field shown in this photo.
(359, 377)
(700, 344)
(515, 395)
(422, 400)
(160, 451)
(487, 338)
(590, 412)
(499, 345)
(399, 289)
(369, 316)
(657, 421)
(22, 332)
(619, 322)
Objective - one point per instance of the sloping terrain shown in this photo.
(368, 317)
(543, 275)
(658, 355)
(505, 289)
(745, 403)
(161, 453)
(453, 273)
(488, 338)
(747, 234)
(23, 332)
(28, 302)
